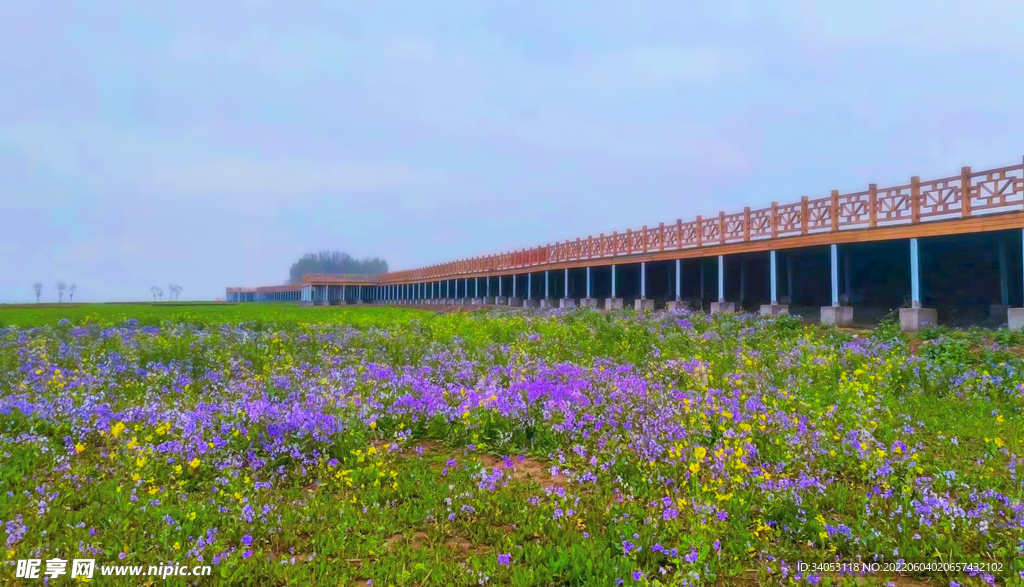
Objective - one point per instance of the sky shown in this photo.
(211, 144)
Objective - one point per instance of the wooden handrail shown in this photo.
(999, 189)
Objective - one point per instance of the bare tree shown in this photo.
(61, 288)
(71, 292)
(160, 293)
(156, 290)
(175, 291)
(38, 288)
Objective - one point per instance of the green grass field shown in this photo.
(385, 446)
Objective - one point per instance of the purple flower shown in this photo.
(504, 559)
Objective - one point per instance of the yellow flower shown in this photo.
(373, 425)
(117, 429)
(694, 467)
(191, 516)
(177, 546)
(140, 462)
(79, 447)
(194, 463)
(700, 453)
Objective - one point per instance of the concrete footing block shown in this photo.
(548, 303)
(320, 303)
(567, 303)
(588, 303)
(838, 315)
(488, 300)
(914, 319)
(515, 302)
(477, 301)
(774, 309)
(676, 305)
(723, 307)
(531, 303)
(1015, 318)
(643, 304)
(612, 304)
(305, 304)
(998, 310)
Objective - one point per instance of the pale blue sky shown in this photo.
(212, 143)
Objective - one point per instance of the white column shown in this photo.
(721, 278)
(1004, 285)
(743, 280)
(678, 280)
(789, 278)
(588, 283)
(546, 289)
(566, 283)
(702, 263)
(529, 285)
(915, 276)
(613, 281)
(835, 274)
(643, 280)
(773, 276)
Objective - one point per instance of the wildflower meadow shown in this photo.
(383, 446)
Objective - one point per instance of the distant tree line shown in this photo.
(334, 262)
(61, 287)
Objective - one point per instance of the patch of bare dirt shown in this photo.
(525, 468)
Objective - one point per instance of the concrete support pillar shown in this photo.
(514, 301)
(1003, 306)
(678, 303)
(529, 302)
(566, 301)
(679, 280)
(476, 301)
(774, 308)
(1015, 316)
(846, 298)
(701, 295)
(915, 317)
(722, 306)
(588, 302)
(613, 303)
(836, 314)
(643, 303)
(788, 298)
(547, 301)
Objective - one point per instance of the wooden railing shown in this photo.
(992, 191)
(995, 190)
